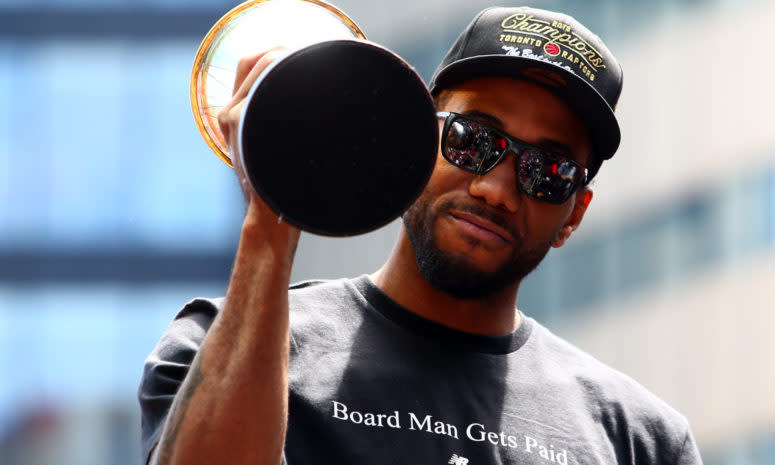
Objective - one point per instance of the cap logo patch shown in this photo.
(557, 39)
(552, 49)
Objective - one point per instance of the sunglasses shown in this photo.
(477, 147)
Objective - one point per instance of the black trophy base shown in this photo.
(339, 137)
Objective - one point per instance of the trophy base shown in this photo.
(339, 137)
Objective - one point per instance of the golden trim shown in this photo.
(550, 40)
(204, 48)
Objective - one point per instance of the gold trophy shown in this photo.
(339, 136)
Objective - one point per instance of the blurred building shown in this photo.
(113, 212)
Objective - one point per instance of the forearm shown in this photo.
(233, 404)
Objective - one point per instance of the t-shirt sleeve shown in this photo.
(166, 367)
(689, 454)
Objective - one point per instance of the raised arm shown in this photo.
(232, 407)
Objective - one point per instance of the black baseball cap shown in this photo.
(550, 49)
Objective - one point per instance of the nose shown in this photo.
(498, 187)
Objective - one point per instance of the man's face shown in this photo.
(476, 235)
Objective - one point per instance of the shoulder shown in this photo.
(624, 407)
(322, 298)
(198, 313)
(601, 381)
(325, 311)
(185, 333)
(194, 319)
(322, 289)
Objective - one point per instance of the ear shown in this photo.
(582, 198)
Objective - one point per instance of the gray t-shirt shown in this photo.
(373, 383)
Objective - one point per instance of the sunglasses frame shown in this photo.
(516, 147)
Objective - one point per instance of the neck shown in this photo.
(401, 279)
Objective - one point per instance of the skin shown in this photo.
(233, 404)
(543, 120)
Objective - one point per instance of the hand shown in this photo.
(248, 70)
(259, 216)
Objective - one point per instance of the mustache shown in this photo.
(484, 211)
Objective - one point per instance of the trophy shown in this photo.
(338, 136)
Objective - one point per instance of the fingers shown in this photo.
(243, 68)
(250, 68)
(248, 71)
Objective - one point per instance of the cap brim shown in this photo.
(580, 96)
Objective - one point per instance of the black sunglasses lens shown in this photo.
(548, 178)
(542, 175)
(471, 146)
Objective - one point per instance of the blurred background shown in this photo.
(114, 212)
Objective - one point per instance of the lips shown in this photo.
(481, 227)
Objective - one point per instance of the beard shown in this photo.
(455, 275)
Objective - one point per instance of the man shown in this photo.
(427, 360)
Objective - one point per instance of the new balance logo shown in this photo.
(457, 460)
